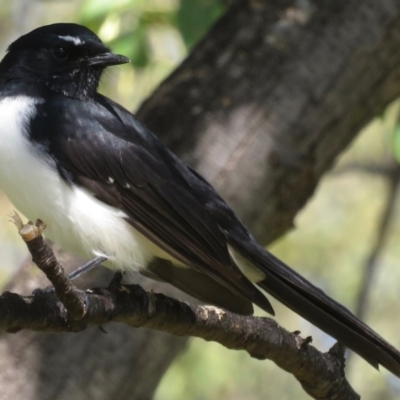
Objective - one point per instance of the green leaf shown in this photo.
(134, 46)
(99, 9)
(195, 17)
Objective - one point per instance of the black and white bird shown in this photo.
(107, 187)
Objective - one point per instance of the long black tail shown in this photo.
(315, 306)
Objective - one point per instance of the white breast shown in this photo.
(75, 220)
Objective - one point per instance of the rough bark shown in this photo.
(275, 91)
(261, 107)
(64, 308)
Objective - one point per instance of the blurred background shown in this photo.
(348, 231)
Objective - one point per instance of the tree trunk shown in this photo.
(261, 107)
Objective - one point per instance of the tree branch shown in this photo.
(272, 95)
(321, 375)
(43, 256)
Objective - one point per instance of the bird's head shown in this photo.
(66, 58)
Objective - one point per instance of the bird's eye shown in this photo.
(61, 53)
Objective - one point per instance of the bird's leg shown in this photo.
(86, 267)
(77, 273)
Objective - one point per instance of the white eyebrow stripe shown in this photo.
(72, 39)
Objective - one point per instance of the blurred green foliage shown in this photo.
(195, 17)
(154, 34)
(126, 25)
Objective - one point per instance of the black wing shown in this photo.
(102, 147)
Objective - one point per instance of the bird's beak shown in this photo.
(107, 59)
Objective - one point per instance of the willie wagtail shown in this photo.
(107, 187)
